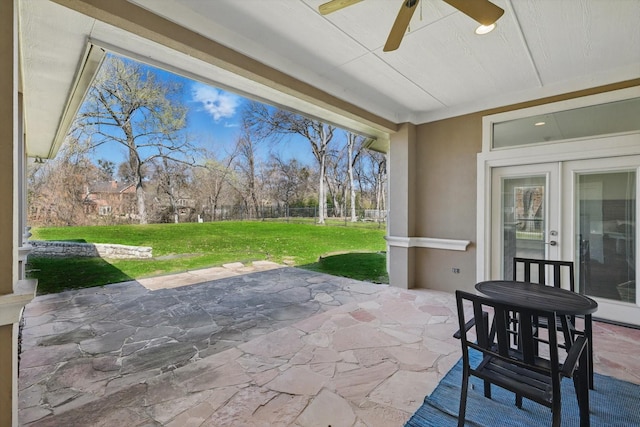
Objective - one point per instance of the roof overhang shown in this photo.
(63, 43)
(85, 75)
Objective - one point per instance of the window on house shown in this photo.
(602, 119)
(104, 210)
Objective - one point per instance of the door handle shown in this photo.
(551, 243)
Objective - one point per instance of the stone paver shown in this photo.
(206, 274)
(79, 347)
(260, 349)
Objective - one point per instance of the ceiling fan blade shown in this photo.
(333, 5)
(482, 11)
(400, 25)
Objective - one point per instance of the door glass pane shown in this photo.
(523, 219)
(606, 219)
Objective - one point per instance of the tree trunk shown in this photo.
(337, 207)
(350, 142)
(322, 205)
(142, 208)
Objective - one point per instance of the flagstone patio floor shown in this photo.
(260, 345)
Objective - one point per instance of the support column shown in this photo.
(24, 248)
(8, 219)
(401, 222)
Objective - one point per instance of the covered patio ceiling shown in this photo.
(442, 69)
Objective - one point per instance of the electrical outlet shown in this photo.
(455, 270)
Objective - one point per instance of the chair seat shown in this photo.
(537, 387)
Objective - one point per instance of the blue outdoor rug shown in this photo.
(613, 403)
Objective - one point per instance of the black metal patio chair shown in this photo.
(519, 369)
(535, 270)
(560, 270)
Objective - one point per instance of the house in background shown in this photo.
(548, 100)
(173, 209)
(110, 198)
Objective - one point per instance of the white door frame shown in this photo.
(625, 144)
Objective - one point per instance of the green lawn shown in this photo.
(181, 247)
(369, 266)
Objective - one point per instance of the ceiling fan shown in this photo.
(483, 11)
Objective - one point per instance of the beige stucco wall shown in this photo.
(8, 260)
(445, 191)
(8, 125)
(402, 171)
(446, 199)
(6, 372)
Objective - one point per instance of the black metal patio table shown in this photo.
(547, 298)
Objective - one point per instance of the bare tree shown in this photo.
(335, 179)
(354, 149)
(373, 177)
(247, 168)
(57, 188)
(213, 180)
(287, 180)
(340, 178)
(128, 105)
(172, 184)
(107, 169)
(272, 122)
(351, 141)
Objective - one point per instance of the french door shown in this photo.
(525, 215)
(583, 211)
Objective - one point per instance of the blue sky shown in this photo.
(213, 119)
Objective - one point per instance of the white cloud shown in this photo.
(218, 103)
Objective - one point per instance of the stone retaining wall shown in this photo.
(73, 249)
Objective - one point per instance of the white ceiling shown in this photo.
(540, 47)
(442, 69)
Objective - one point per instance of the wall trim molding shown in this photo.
(11, 305)
(428, 242)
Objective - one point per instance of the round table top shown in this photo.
(538, 297)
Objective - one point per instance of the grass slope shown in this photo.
(368, 266)
(181, 247)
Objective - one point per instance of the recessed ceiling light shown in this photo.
(539, 123)
(484, 29)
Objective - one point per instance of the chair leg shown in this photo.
(463, 396)
(583, 399)
(588, 331)
(487, 389)
(556, 411)
(581, 383)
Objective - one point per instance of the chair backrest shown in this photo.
(495, 330)
(524, 267)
